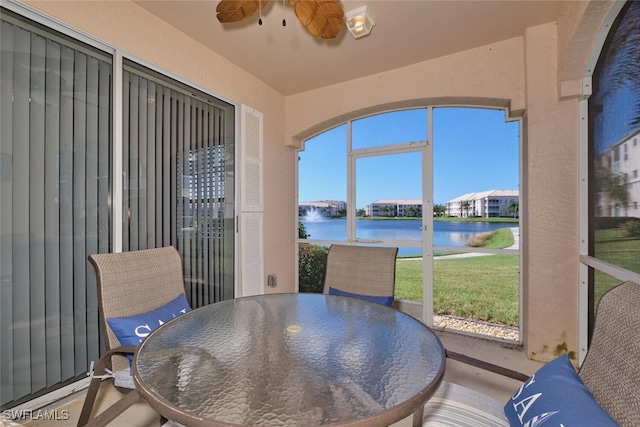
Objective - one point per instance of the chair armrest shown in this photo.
(486, 366)
(101, 366)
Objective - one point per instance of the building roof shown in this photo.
(321, 203)
(397, 202)
(485, 194)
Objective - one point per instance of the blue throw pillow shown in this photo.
(131, 330)
(555, 396)
(380, 300)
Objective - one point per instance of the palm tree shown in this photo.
(618, 70)
(387, 210)
(439, 210)
(622, 61)
(613, 184)
(411, 211)
(513, 208)
(464, 205)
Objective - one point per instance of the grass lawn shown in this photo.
(615, 247)
(483, 287)
(486, 287)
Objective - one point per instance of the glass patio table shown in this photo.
(290, 360)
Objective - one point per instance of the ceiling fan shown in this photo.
(322, 18)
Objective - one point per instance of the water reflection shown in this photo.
(445, 233)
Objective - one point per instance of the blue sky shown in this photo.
(474, 149)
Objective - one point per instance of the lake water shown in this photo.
(445, 233)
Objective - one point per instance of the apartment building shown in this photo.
(486, 204)
(620, 190)
(395, 207)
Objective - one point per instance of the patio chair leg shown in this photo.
(116, 409)
(417, 417)
(100, 369)
(89, 400)
(92, 392)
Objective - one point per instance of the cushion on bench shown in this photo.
(457, 406)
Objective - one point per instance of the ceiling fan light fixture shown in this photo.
(359, 22)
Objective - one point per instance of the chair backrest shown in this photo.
(611, 369)
(361, 270)
(135, 282)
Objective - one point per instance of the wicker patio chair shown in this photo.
(361, 271)
(129, 283)
(610, 371)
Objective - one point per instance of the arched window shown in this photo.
(442, 184)
(614, 159)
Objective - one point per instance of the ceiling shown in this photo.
(291, 60)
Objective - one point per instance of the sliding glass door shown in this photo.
(60, 154)
(55, 152)
(178, 178)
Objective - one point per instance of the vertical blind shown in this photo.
(56, 171)
(55, 121)
(178, 174)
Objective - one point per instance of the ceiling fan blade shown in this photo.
(323, 18)
(237, 10)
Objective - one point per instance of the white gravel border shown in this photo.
(446, 322)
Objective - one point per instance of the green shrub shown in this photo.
(480, 240)
(302, 231)
(312, 263)
(632, 228)
(606, 222)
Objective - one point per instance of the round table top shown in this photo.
(290, 360)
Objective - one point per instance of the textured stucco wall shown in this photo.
(491, 75)
(551, 233)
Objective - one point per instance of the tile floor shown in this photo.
(510, 356)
